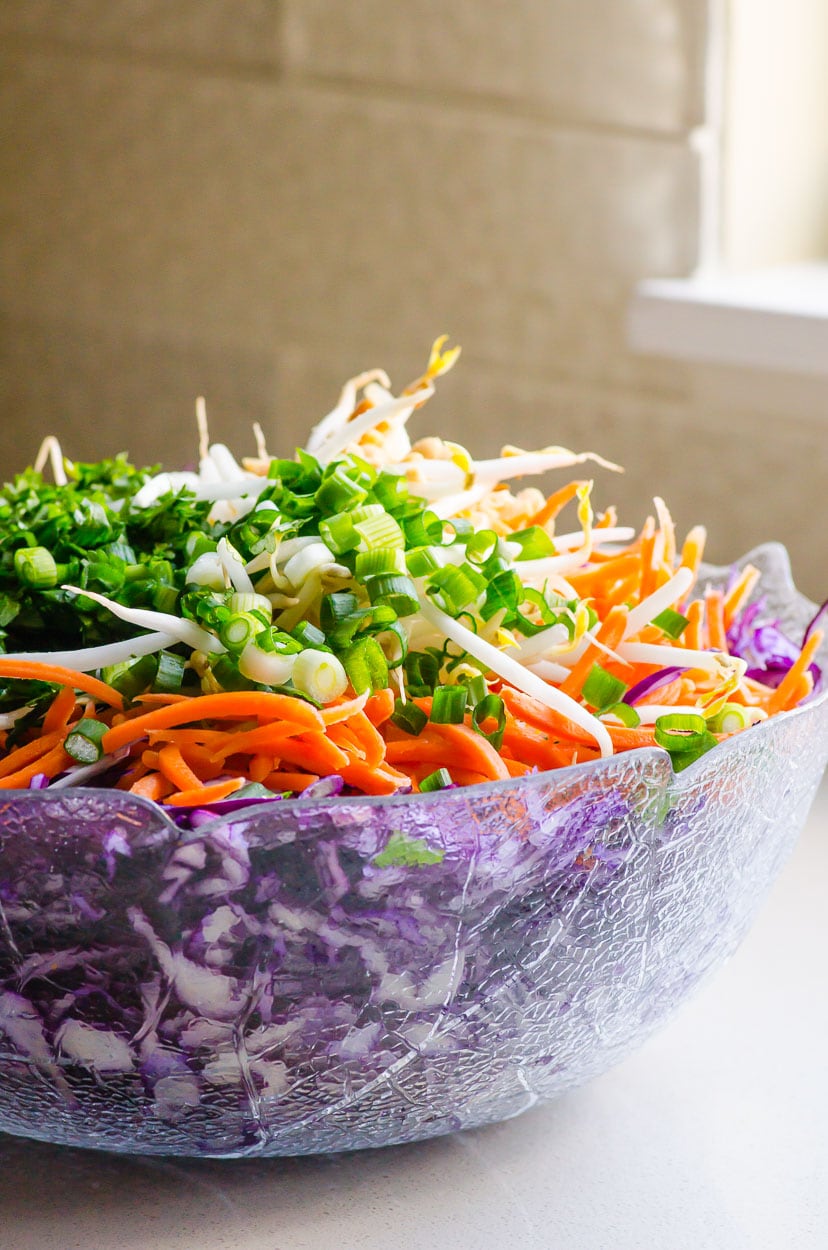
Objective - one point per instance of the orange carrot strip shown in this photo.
(516, 767)
(610, 634)
(171, 764)
(369, 738)
(467, 777)
(232, 705)
(337, 712)
(603, 575)
(347, 741)
(315, 752)
(557, 726)
(714, 603)
(380, 706)
(556, 502)
(161, 700)
(279, 780)
(373, 780)
(693, 636)
(780, 700)
(693, 549)
(31, 751)
(647, 540)
(206, 794)
(52, 763)
(198, 758)
(189, 737)
(449, 745)
(32, 670)
(739, 593)
(260, 767)
(268, 738)
(153, 786)
(60, 709)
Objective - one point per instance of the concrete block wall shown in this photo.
(252, 200)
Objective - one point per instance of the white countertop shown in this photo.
(713, 1137)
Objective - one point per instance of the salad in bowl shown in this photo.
(359, 796)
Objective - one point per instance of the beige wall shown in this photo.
(251, 200)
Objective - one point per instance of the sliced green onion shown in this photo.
(423, 560)
(165, 598)
(391, 490)
(239, 630)
(438, 780)
(382, 560)
(476, 688)
(625, 713)
(601, 689)
(671, 623)
(730, 719)
(339, 492)
(338, 533)
(504, 592)
(455, 587)
(170, 674)
(196, 545)
(281, 643)
(685, 735)
(36, 567)
(394, 651)
(481, 546)
(245, 601)
(320, 675)
(423, 530)
(449, 705)
(308, 635)
(131, 677)
(335, 608)
(394, 591)
(409, 717)
(534, 543)
(422, 669)
(83, 742)
(379, 531)
(490, 708)
(366, 666)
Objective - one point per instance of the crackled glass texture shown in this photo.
(280, 983)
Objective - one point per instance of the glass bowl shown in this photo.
(334, 974)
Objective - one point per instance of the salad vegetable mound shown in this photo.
(372, 616)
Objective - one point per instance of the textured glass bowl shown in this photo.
(265, 985)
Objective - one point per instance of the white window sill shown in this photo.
(771, 319)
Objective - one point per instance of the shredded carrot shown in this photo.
(31, 670)
(50, 764)
(60, 709)
(739, 593)
(206, 794)
(153, 786)
(336, 712)
(235, 705)
(716, 635)
(18, 758)
(379, 707)
(610, 634)
(289, 781)
(171, 764)
(556, 503)
(693, 636)
(447, 745)
(781, 698)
